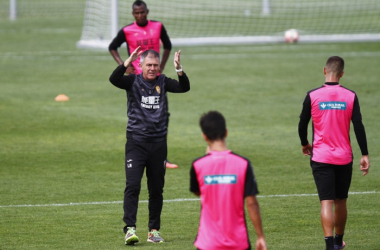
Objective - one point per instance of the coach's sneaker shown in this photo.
(154, 236)
(337, 247)
(131, 237)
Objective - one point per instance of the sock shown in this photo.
(126, 228)
(338, 239)
(329, 243)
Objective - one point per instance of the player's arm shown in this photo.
(360, 136)
(114, 46)
(113, 49)
(194, 185)
(165, 57)
(167, 47)
(115, 54)
(303, 124)
(250, 192)
(364, 164)
(254, 214)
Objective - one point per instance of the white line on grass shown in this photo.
(174, 200)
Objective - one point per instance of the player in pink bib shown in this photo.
(332, 107)
(147, 34)
(147, 37)
(224, 180)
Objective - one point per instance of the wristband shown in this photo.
(179, 70)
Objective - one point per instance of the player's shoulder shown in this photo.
(240, 157)
(155, 21)
(228, 154)
(347, 89)
(315, 89)
(128, 25)
(200, 158)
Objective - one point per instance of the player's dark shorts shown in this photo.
(332, 181)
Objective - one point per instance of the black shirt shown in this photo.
(147, 105)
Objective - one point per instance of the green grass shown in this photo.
(72, 152)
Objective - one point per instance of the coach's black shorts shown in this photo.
(332, 181)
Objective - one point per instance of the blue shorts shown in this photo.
(332, 181)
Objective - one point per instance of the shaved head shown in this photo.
(335, 65)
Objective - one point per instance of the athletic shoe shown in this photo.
(171, 165)
(131, 237)
(154, 236)
(337, 247)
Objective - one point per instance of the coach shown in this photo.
(146, 135)
(331, 108)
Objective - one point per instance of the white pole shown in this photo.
(12, 10)
(114, 18)
(266, 7)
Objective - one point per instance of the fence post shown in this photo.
(114, 18)
(266, 7)
(12, 10)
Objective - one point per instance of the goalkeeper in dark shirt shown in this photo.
(146, 135)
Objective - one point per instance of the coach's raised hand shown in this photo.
(177, 63)
(135, 54)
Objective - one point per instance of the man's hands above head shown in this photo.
(134, 55)
(177, 63)
(177, 60)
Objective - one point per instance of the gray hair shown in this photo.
(154, 53)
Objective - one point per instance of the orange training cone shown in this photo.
(61, 98)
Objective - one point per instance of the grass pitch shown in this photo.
(61, 163)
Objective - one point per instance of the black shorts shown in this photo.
(332, 181)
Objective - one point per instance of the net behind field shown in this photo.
(246, 18)
(44, 8)
(215, 18)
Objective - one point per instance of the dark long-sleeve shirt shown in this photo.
(147, 105)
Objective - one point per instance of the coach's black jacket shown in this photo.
(147, 103)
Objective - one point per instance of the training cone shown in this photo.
(61, 98)
(171, 165)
